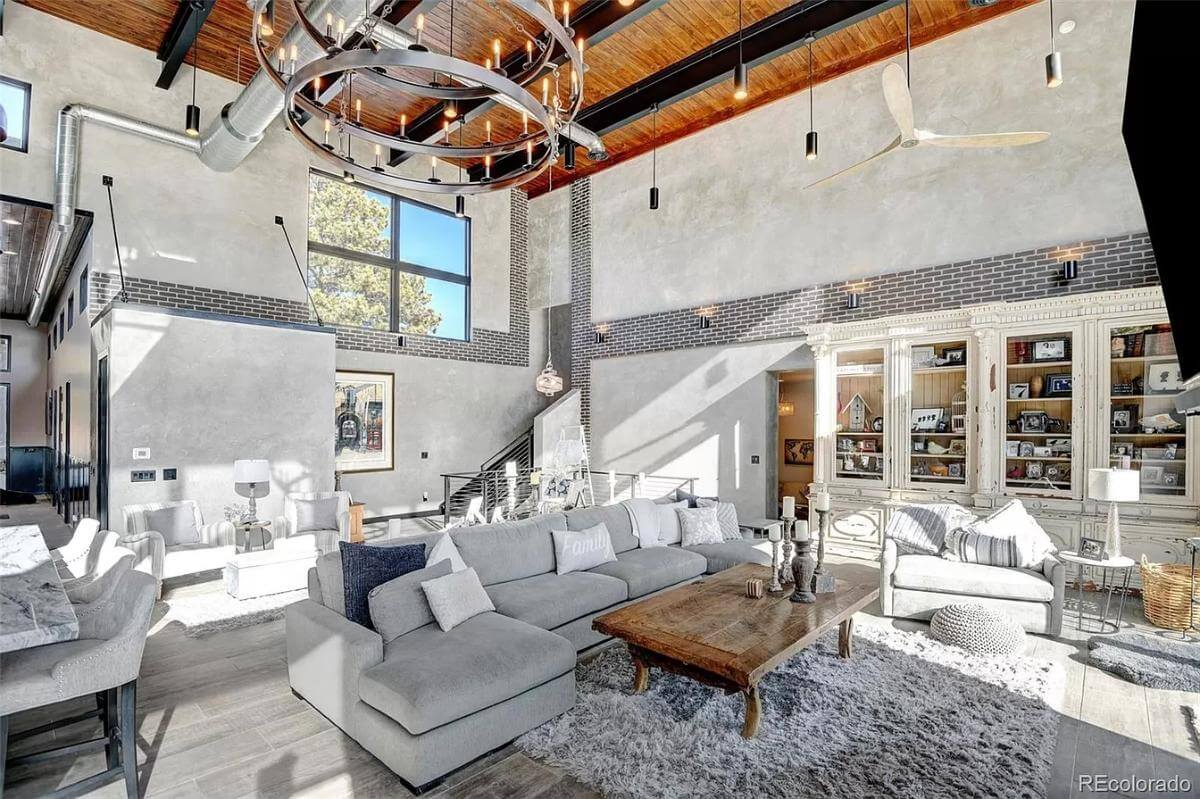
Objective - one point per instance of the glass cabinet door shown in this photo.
(1039, 428)
(1144, 377)
(938, 443)
(859, 451)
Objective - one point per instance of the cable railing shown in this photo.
(514, 493)
(71, 489)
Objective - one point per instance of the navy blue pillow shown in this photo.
(690, 499)
(365, 566)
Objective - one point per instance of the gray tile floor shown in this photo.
(217, 718)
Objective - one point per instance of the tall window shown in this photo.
(14, 99)
(70, 312)
(380, 261)
(83, 289)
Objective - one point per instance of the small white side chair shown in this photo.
(105, 558)
(324, 540)
(71, 558)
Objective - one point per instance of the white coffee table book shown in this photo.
(271, 571)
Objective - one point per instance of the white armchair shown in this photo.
(217, 543)
(324, 540)
(72, 558)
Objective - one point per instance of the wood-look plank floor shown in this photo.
(217, 718)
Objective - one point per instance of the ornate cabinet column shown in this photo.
(987, 399)
(824, 410)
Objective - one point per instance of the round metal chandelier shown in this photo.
(416, 70)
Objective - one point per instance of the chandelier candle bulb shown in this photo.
(529, 154)
(420, 28)
(329, 25)
(358, 110)
(378, 152)
(566, 15)
(488, 136)
(264, 26)
(528, 52)
(292, 54)
(487, 168)
(546, 92)
(524, 123)
(328, 127)
(403, 125)
(496, 51)
(341, 31)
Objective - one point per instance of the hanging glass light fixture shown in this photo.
(192, 122)
(810, 141)
(1054, 71)
(654, 163)
(741, 76)
(549, 381)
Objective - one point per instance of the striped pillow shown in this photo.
(726, 518)
(975, 544)
(923, 528)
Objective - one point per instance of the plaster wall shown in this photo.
(733, 196)
(201, 393)
(550, 249)
(71, 361)
(27, 384)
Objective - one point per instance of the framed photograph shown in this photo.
(363, 416)
(1170, 479)
(1163, 378)
(848, 464)
(925, 420)
(5, 353)
(798, 451)
(868, 445)
(1152, 475)
(1059, 446)
(1054, 349)
(1091, 548)
(1121, 450)
(1116, 347)
(1123, 417)
(1033, 421)
(1018, 391)
(1012, 449)
(954, 470)
(1054, 472)
(955, 356)
(1034, 470)
(1025, 450)
(958, 447)
(877, 424)
(1170, 451)
(1058, 385)
(1041, 452)
(923, 357)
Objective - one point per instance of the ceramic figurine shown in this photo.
(802, 571)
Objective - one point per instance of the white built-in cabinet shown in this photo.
(983, 404)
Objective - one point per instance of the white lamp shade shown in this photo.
(252, 471)
(1114, 485)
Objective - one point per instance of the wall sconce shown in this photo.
(400, 342)
(602, 335)
(705, 321)
(853, 300)
(1070, 269)
(787, 408)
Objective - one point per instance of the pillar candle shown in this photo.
(775, 533)
(789, 507)
(821, 502)
(800, 531)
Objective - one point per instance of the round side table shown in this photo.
(1117, 568)
(248, 529)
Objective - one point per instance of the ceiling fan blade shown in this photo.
(899, 99)
(1015, 139)
(895, 145)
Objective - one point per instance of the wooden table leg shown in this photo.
(753, 709)
(846, 638)
(641, 674)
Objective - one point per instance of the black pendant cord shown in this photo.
(654, 151)
(810, 86)
(112, 215)
(740, 61)
(195, 52)
(299, 271)
(908, 45)
(1052, 26)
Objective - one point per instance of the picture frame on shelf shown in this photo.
(1123, 418)
(1122, 450)
(1091, 548)
(1034, 470)
(1170, 479)
(1058, 385)
(868, 445)
(1012, 449)
(925, 420)
(1050, 349)
(955, 470)
(1055, 472)
(1163, 378)
(1116, 347)
(954, 356)
(1059, 446)
(918, 446)
(1152, 475)
(877, 424)
(1041, 452)
(1170, 450)
(1018, 391)
(1025, 449)
(958, 447)
(924, 357)
(1033, 422)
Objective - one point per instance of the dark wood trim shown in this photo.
(180, 37)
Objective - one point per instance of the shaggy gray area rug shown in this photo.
(1149, 660)
(907, 716)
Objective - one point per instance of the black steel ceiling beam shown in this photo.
(761, 42)
(594, 22)
(180, 37)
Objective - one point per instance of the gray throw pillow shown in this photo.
(456, 597)
(176, 524)
(399, 606)
(700, 526)
(576, 551)
(316, 514)
(923, 528)
(726, 518)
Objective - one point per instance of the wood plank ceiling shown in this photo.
(24, 227)
(668, 32)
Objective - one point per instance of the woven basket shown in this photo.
(1167, 590)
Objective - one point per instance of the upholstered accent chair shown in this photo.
(326, 539)
(213, 546)
(71, 558)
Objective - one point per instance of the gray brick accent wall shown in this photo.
(1108, 264)
(509, 348)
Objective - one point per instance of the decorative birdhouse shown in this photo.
(856, 411)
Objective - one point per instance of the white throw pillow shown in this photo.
(923, 528)
(580, 550)
(669, 531)
(1009, 537)
(700, 526)
(456, 597)
(726, 518)
(444, 549)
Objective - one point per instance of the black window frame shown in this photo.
(70, 312)
(27, 90)
(395, 263)
(83, 289)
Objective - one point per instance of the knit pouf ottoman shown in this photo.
(977, 629)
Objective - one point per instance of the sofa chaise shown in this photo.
(430, 701)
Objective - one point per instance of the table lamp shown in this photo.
(1113, 486)
(252, 472)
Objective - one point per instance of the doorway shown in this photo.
(102, 442)
(795, 447)
(5, 425)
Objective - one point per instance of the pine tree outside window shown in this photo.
(384, 262)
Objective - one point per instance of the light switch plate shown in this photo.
(141, 476)
(754, 459)
(141, 453)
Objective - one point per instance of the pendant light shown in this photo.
(192, 123)
(549, 382)
(810, 141)
(460, 202)
(741, 76)
(1054, 72)
(451, 108)
(654, 164)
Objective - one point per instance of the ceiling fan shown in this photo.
(899, 101)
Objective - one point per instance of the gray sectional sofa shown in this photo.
(430, 701)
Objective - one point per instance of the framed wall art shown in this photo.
(363, 418)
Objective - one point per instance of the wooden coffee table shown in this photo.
(711, 632)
